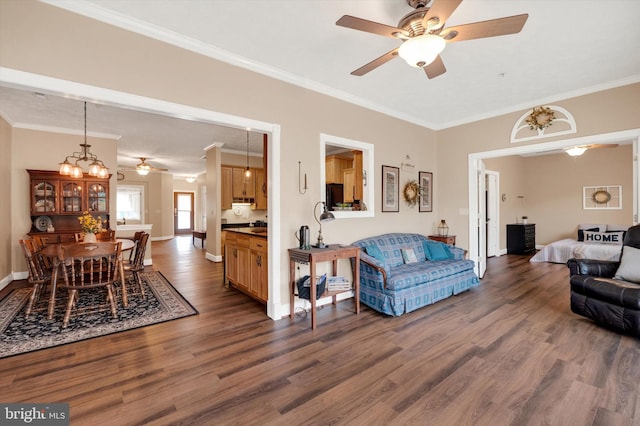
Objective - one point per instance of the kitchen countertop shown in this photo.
(256, 231)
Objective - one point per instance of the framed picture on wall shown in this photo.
(425, 180)
(390, 189)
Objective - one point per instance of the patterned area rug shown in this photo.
(20, 335)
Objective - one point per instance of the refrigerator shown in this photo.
(334, 195)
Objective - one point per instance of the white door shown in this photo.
(493, 212)
(482, 219)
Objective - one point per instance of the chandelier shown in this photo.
(96, 166)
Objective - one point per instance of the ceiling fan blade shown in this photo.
(441, 9)
(490, 28)
(376, 63)
(435, 68)
(600, 145)
(352, 22)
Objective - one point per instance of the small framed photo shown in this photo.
(390, 189)
(425, 179)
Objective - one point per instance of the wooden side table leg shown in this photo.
(312, 299)
(292, 288)
(356, 281)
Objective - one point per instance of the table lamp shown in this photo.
(326, 216)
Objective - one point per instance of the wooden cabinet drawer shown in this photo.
(258, 244)
(243, 240)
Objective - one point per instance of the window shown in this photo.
(358, 182)
(130, 203)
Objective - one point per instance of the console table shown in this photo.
(198, 234)
(329, 254)
(447, 239)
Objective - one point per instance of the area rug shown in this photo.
(20, 335)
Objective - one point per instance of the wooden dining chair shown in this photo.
(108, 235)
(39, 272)
(91, 267)
(135, 264)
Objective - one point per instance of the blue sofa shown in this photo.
(397, 275)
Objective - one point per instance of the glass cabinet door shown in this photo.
(71, 197)
(44, 196)
(98, 199)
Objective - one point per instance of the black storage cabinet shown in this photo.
(521, 238)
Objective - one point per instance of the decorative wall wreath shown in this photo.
(540, 118)
(411, 192)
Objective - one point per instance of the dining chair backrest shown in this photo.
(39, 241)
(140, 250)
(136, 240)
(37, 265)
(91, 264)
(108, 235)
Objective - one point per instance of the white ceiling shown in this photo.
(566, 48)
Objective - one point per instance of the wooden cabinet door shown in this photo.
(349, 188)
(261, 190)
(72, 197)
(243, 268)
(97, 197)
(259, 275)
(226, 185)
(231, 261)
(44, 195)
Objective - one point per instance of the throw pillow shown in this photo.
(581, 232)
(629, 269)
(408, 255)
(435, 250)
(604, 237)
(375, 252)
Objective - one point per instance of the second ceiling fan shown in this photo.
(424, 35)
(143, 168)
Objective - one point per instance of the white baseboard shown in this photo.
(6, 281)
(213, 257)
(162, 238)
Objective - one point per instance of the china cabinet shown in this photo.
(57, 202)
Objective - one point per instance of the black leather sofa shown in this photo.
(595, 294)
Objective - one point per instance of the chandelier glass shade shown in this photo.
(420, 51)
(70, 166)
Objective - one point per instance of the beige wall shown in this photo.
(597, 113)
(553, 183)
(41, 39)
(6, 241)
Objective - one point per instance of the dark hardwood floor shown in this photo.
(509, 352)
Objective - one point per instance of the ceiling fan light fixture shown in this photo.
(576, 151)
(142, 170)
(420, 51)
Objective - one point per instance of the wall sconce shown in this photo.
(407, 165)
(300, 190)
(326, 216)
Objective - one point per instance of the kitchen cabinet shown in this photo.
(349, 185)
(57, 202)
(258, 282)
(243, 188)
(226, 186)
(334, 168)
(261, 189)
(236, 188)
(246, 260)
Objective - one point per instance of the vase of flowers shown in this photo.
(90, 226)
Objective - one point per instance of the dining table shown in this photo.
(56, 254)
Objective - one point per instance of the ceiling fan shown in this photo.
(143, 168)
(424, 35)
(580, 149)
